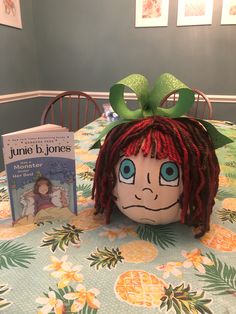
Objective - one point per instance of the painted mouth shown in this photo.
(151, 209)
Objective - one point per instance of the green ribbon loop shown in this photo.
(139, 85)
(166, 85)
(150, 101)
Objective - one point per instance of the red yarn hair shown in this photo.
(183, 140)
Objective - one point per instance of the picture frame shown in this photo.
(151, 13)
(228, 15)
(10, 13)
(194, 12)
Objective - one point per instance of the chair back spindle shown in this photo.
(201, 108)
(72, 109)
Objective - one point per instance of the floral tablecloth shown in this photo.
(80, 265)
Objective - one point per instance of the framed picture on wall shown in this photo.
(10, 14)
(194, 12)
(151, 13)
(228, 12)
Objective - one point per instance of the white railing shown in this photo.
(97, 95)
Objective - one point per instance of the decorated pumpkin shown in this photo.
(155, 166)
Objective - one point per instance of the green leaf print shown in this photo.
(159, 235)
(4, 196)
(105, 258)
(223, 194)
(90, 164)
(3, 302)
(184, 301)
(61, 238)
(220, 277)
(87, 175)
(227, 215)
(15, 255)
(85, 190)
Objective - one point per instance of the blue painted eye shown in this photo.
(169, 174)
(127, 171)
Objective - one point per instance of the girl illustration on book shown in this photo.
(45, 201)
(42, 194)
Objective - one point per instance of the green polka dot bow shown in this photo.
(149, 102)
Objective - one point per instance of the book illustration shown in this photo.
(41, 176)
(43, 195)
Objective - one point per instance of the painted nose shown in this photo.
(149, 190)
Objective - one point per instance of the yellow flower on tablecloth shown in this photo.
(196, 259)
(127, 230)
(86, 220)
(140, 288)
(138, 251)
(68, 274)
(111, 233)
(50, 304)
(81, 297)
(219, 238)
(118, 233)
(58, 265)
(170, 268)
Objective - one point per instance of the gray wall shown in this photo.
(19, 115)
(92, 44)
(89, 45)
(19, 70)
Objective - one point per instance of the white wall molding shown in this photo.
(97, 95)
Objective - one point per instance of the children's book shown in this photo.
(40, 168)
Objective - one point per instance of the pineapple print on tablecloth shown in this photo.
(220, 239)
(86, 220)
(143, 289)
(9, 232)
(5, 211)
(140, 288)
(228, 211)
(224, 181)
(138, 251)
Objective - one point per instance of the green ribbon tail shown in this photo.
(168, 84)
(139, 85)
(218, 138)
(105, 131)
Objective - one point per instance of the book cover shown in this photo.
(40, 169)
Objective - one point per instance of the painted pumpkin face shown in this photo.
(148, 190)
